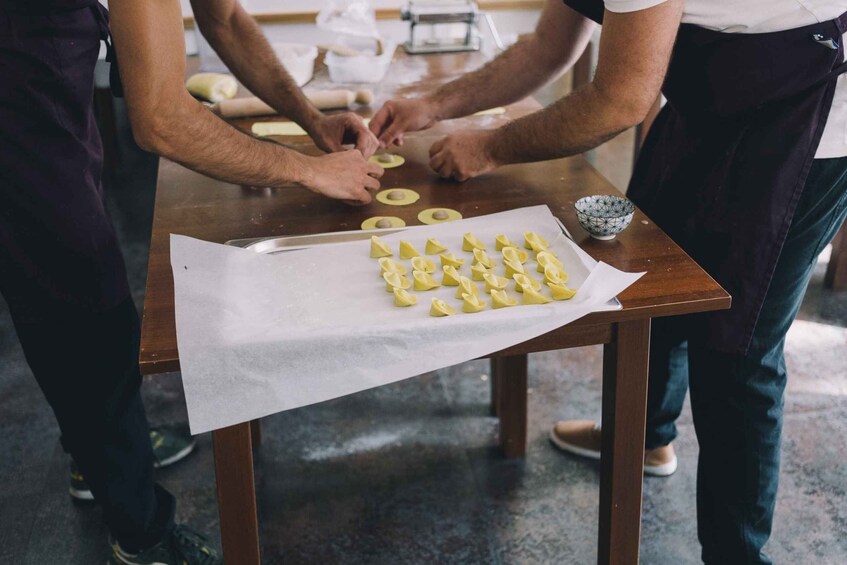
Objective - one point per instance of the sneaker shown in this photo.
(171, 443)
(181, 546)
(584, 438)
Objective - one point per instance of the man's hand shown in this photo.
(345, 175)
(331, 132)
(461, 156)
(396, 117)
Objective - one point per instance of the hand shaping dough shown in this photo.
(471, 303)
(264, 129)
(424, 281)
(397, 196)
(379, 248)
(561, 292)
(407, 250)
(499, 299)
(386, 160)
(440, 308)
(383, 222)
(438, 215)
(403, 298)
(434, 247)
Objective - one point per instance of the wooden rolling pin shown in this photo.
(325, 100)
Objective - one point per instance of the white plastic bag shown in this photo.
(349, 17)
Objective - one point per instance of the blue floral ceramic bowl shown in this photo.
(604, 216)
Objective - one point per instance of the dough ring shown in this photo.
(397, 196)
(438, 215)
(380, 222)
(387, 160)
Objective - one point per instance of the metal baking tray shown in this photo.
(273, 245)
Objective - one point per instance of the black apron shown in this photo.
(726, 160)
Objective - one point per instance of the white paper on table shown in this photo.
(259, 334)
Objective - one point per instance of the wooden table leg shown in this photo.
(625, 363)
(495, 390)
(236, 494)
(510, 374)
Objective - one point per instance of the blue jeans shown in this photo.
(737, 400)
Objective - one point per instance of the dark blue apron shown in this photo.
(726, 160)
(57, 245)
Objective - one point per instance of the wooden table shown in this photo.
(191, 204)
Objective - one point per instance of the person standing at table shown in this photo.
(61, 270)
(745, 167)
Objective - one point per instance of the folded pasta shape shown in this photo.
(502, 241)
(561, 292)
(424, 281)
(553, 274)
(434, 247)
(547, 258)
(478, 272)
(404, 298)
(466, 286)
(470, 242)
(513, 268)
(500, 299)
(531, 296)
(535, 242)
(439, 308)
(451, 276)
(524, 282)
(452, 260)
(379, 248)
(480, 257)
(515, 255)
(407, 250)
(471, 303)
(388, 265)
(493, 282)
(423, 264)
(395, 280)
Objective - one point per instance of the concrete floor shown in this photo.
(409, 473)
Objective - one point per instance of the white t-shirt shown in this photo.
(761, 16)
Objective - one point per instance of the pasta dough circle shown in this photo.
(396, 161)
(389, 196)
(427, 216)
(263, 129)
(370, 223)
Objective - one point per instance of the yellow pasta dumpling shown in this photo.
(561, 292)
(434, 247)
(546, 259)
(440, 308)
(478, 272)
(424, 281)
(395, 280)
(553, 274)
(404, 298)
(526, 282)
(515, 255)
(423, 264)
(471, 303)
(531, 296)
(470, 242)
(502, 241)
(493, 282)
(452, 260)
(466, 286)
(480, 257)
(379, 248)
(407, 250)
(451, 276)
(500, 299)
(388, 265)
(513, 268)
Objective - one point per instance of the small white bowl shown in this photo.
(359, 68)
(604, 216)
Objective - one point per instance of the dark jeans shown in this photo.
(61, 271)
(737, 400)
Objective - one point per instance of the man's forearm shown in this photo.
(239, 41)
(559, 39)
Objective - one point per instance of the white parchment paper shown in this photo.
(259, 334)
